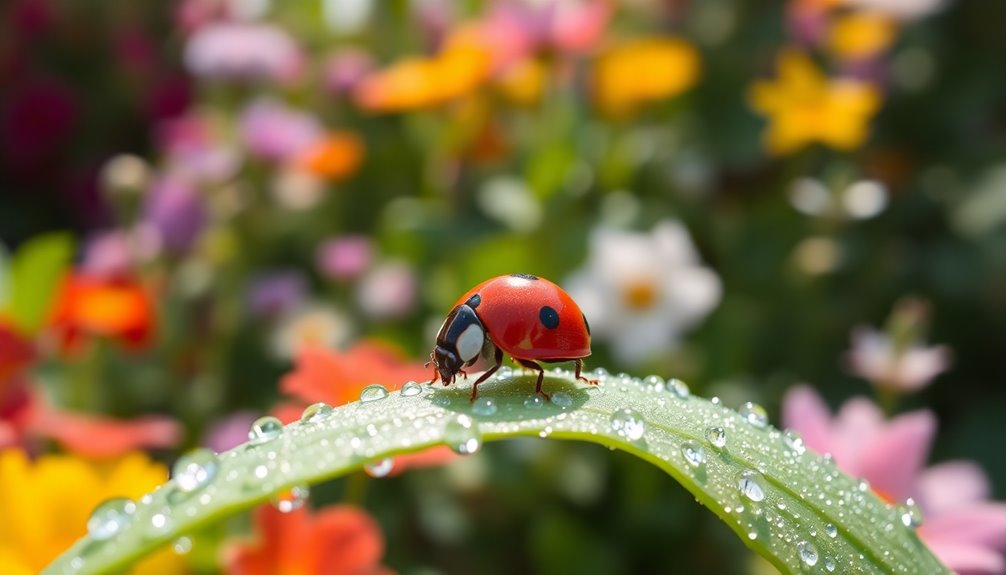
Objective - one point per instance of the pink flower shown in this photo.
(388, 291)
(229, 431)
(879, 359)
(193, 148)
(274, 131)
(962, 527)
(243, 51)
(344, 257)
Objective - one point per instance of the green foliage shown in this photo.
(34, 274)
(789, 505)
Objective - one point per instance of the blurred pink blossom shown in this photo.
(176, 212)
(115, 253)
(194, 149)
(877, 358)
(275, 131)
(388, 291)
(344, 257)
(961, 526)
(243, 51)
(277, 293)
(344, 70)
(229, 431)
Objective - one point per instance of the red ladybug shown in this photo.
(528, 317)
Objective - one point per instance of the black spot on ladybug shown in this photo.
(474, 301)
(525, 276)
(549, 317)
(585, 324)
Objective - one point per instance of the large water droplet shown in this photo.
(562, 399)
(264, 430)
(110, 517)
(717, 436)
(693, 454)
(292, 499)
(534, 402)
(316, 412)
(793, 440)
(754, 414)
(373, 392)
(808, 553)
(462, 435)
(380, 467)
(182, 545)
(412, 389)
(628, 423)
(910, 514)
(678, 388)
(654, 383)
(831, 530)
(161, 522)
(484, 406)
(195, 470)
(750, 486)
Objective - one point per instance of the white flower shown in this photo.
(314, 325)
(875, 357)
(641, 291)
(388, 291)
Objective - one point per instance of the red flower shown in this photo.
(119, 308)
(339, 540)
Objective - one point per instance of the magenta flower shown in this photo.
(274, 131)
(176, 212)
(243, 51)
(962, 527)
(344, 257)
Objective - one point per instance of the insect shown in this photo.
(528, 317)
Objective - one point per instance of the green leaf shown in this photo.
(34, 275)
(792, 507)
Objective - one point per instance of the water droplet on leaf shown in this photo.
(831, 530)
(315, 412)
(793, 440)
(195, 470)
(562, 399)
(292, 499)
(373, 392)
(412, 389)
(379, 468)
(161, 522)
(534, 402)
(462, 435)
(628, 423)
(910, 514)
(654, 383)
(182, 545)
(808, 553)
(750, 486)
(693, 454)
(678, 388)
(484, 406)
(717, 436)
(754, 414)
(110, 517)
(264, 430)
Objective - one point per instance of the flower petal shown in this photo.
(894, 459)
(805, 412)
(981, 524)
(951, 485)
(968, 559)
(101, 437)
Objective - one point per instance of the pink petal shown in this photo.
(966, 559)
(805, 412)
(100, 437)
(894, 459)
(950, 485)
(856, 425)
(982, 524)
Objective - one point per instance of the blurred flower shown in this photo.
(297, 190)
(276, 293)
(175, 210)
(196, 150)
(524, 82)
(333, 157)
(861, 35)
(345, 69)
(229, 431)
(88, 306)
(243, 51)
(388, 291)
(804, 107)
(640, 291)
(965, 530)
(347, 17)
(642, 71)
(100, 437)
(312, 325)
(115, 253)
(900, 9)
(879, 359)
(125, 174)
(16, 352)
(337, 539)
(344, 257)
(45, 504)
(274, 131)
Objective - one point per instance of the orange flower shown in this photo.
(339, 539)
(333, 157)
(119, 309)
(642, 71)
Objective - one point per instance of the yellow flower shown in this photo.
(861, 35)
(44, 505)
(524, 82)
(641, 71)
(803, 107)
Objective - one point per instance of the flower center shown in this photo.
(640, 294)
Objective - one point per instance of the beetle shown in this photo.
(528, 317)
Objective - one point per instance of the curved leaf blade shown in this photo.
(794, 508)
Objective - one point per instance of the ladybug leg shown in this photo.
(579, 368)
(436, 374)
(541, 375)
(487, 374)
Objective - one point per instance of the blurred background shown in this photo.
(213, 210)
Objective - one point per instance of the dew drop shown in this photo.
(534, 402)
(831, 530)
(754, 414)
(654, 383)
(717, 436)
(752, 535)
(292, 499)
(693, 454)
(829, 565)
(110, 517)
(562, 399)
(412, 389)
(161, 522)
(182, 545)
(373, 392)
(628, 423)
(462, 435)
(484, 406)
(750, 486)
(863, 485)
(678, 388)
(316, 412)
(195, 470)
(910, 514)
(808, 553)
(264, 430)
(380, 467)
(793, 440)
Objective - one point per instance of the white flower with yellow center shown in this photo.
(641, 291)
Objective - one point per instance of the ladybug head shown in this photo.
(459, 342)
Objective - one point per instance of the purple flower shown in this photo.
(229, 431)
(344, 257)
(345, 69)
(193, 149)
(274, 131)
(243, 51)
(176, 212)
(276, 293)
(965, 530)
(115, 253)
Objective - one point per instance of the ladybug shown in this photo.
(528, 317)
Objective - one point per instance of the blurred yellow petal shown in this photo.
(642, 71)
(523, 83)
(861, 35)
